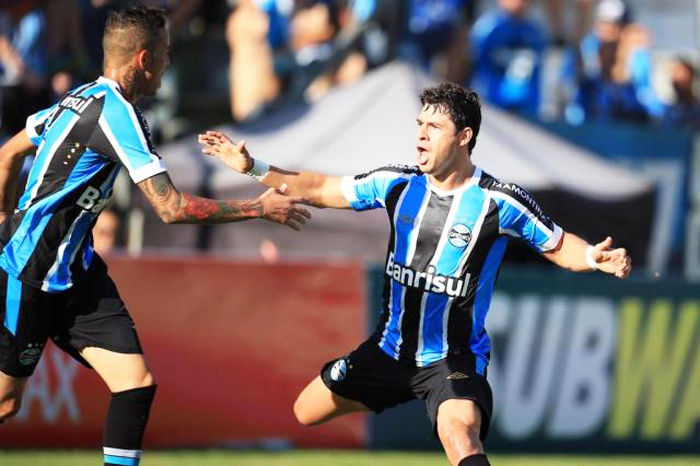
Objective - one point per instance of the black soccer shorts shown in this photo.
(90, 313)
(373, 378)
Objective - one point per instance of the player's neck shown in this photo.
(128, 81)
(454, 178)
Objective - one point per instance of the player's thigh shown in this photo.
(317, 404)
(457, 395)
(120, 371)
(96, 329)
(459, 412)
(25, 325)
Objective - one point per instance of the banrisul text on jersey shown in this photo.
(444, 253)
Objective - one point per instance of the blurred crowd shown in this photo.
(259, 55)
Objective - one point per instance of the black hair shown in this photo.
(463, 106)
(142, 23)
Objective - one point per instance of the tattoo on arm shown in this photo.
(175, 207)
(198, 210)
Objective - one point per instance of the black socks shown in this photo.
(126, 421)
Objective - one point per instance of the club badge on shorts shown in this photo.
(339, 370)
(31, 355)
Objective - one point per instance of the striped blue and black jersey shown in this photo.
(443, 257)
(82, 143)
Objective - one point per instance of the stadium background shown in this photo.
(582, 365)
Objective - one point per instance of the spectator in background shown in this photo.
(436, 32)
(508, 51)
(283, 48)
(23, 63)
(252, 36)
(611, 70)
(557, 24)
(66, 44)
(685, 109)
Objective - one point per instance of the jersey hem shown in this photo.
(34, 283)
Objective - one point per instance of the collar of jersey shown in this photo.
(472, 181)
(110, 82)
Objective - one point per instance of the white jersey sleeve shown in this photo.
(129, 137)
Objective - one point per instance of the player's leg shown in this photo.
(11, 389)
(460, 403)
(96, 329)
(24, 329)
(133, 388)
(317, 404)
(364, 380)
(458, 427)
(119, 371)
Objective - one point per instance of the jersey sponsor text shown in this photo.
(426, 281)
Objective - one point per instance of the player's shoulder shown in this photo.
(513, 196)
(114, 97)
(391, 171)
(505, 190)
(110, 90)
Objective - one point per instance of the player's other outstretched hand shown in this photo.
(234, 155)
(277, 207)
(613, 261)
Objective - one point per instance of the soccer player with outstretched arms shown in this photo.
(450, 224)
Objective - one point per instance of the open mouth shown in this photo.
(422, 156)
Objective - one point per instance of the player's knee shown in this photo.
(454, 430)
(302, 413)
(453, 434)
(9, 407)
(147, 380)
(139, 381)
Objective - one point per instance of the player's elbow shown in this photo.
(170, 214)
(169, 218)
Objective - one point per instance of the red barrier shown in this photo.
(231, 345)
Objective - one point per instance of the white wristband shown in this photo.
(258, 170)
(589, 258)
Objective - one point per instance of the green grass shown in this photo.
(325, 457)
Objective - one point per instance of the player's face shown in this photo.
(158, 64)
(438, 143)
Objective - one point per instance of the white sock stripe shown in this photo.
(119, 452)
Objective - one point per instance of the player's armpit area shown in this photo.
(173, 206)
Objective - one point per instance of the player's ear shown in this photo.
(465, 136)
(143, 59)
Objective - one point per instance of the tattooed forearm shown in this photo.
(196, 209)
(175, 207)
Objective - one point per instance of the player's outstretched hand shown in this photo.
(234, 155)
(277, 207)
(612, 261)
